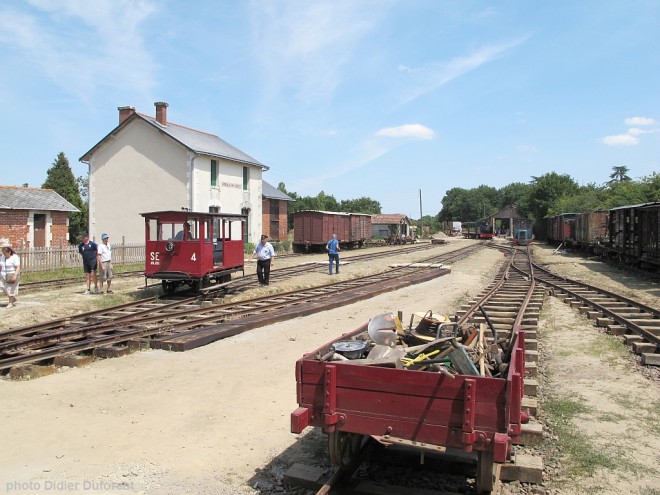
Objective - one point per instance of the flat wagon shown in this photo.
(477, 230)
(314, 228)
(351, 399)
(193, 248)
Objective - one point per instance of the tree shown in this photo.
(619, 174)
(60, 179)
(360, 205)
(546, 190)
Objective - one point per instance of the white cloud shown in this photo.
(635, 131)
(103, 46)
(621, 140)
(411, 131)
(434, 76)
(302, 46)
(639, 121)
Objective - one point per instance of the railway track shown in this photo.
(638, 323)
(510, 306)
(190, 322)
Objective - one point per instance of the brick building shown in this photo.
(33, 218)
(275, 209)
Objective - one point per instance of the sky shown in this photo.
(396, 100)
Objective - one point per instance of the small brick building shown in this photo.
(275, 208)
(33, 218)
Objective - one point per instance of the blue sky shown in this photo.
(377, 98)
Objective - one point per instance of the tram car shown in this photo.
(477, 230)
(375, 389)
(313, 229)
(192, 248)
(522, 232)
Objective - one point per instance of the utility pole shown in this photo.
(421, 221)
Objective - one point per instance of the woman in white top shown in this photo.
(10, 265)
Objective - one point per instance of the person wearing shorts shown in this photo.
(10, 268)
(89, 251)
(104, 261)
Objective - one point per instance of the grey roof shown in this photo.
(270, 192)
(27, 198)
(196, 141)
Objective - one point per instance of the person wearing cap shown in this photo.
(89, 250)
(104, 261)
(265, 254)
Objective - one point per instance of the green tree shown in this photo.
(619, 174)
(360, 205)
(546, 190)
(516, 194)
(60, 179)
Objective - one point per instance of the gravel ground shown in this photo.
(215, 420)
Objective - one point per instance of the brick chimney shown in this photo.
(161, 112)
(124, 113)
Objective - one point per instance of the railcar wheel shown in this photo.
(485, 472)
(344, 448)
(168, 287)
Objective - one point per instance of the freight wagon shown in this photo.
(313, 229)
(561, 228)
(591, 230)
(633, 234)
(477, 230)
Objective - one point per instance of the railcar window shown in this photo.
(152, 230)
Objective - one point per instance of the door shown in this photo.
(39, 230)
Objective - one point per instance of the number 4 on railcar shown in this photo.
(192, 248)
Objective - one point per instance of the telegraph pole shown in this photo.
(421, 221)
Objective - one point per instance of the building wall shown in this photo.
(17, 228)
(14, 229)
(281, 234)
(228, 195)
(137, 171)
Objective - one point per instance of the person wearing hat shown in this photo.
(265, 254)
(104, 261)
(89, 251)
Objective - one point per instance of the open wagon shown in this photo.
(352, 398)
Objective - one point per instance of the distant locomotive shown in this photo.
(628, 233)
(522, 231)
(314, 228)
(194, 249)
(477, 230)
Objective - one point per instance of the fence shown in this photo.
(55, 258)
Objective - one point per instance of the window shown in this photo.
(275, 229)
(246, 178)
(214, 173)
(274, 207)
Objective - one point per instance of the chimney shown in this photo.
(161, 112)
(124, 113)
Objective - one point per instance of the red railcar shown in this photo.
(192, 248)
(561, 228)
(413, 408)
(591, 228)
(313, 229)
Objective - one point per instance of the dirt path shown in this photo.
(215, 420)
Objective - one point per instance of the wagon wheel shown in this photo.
(484, 472)
(344, 448)
(168, 287)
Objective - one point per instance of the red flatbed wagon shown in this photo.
(349, 399)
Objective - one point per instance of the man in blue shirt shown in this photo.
(89, 251)
(265, 254)
(333, 253)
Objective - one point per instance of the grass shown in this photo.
(606, 345)
(74, 273)
(582, 457)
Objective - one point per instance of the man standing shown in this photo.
(333, 253)
(89, 251)
(265, 254)
(104, 261)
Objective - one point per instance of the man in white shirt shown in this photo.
(105, 261)
(265, 254)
